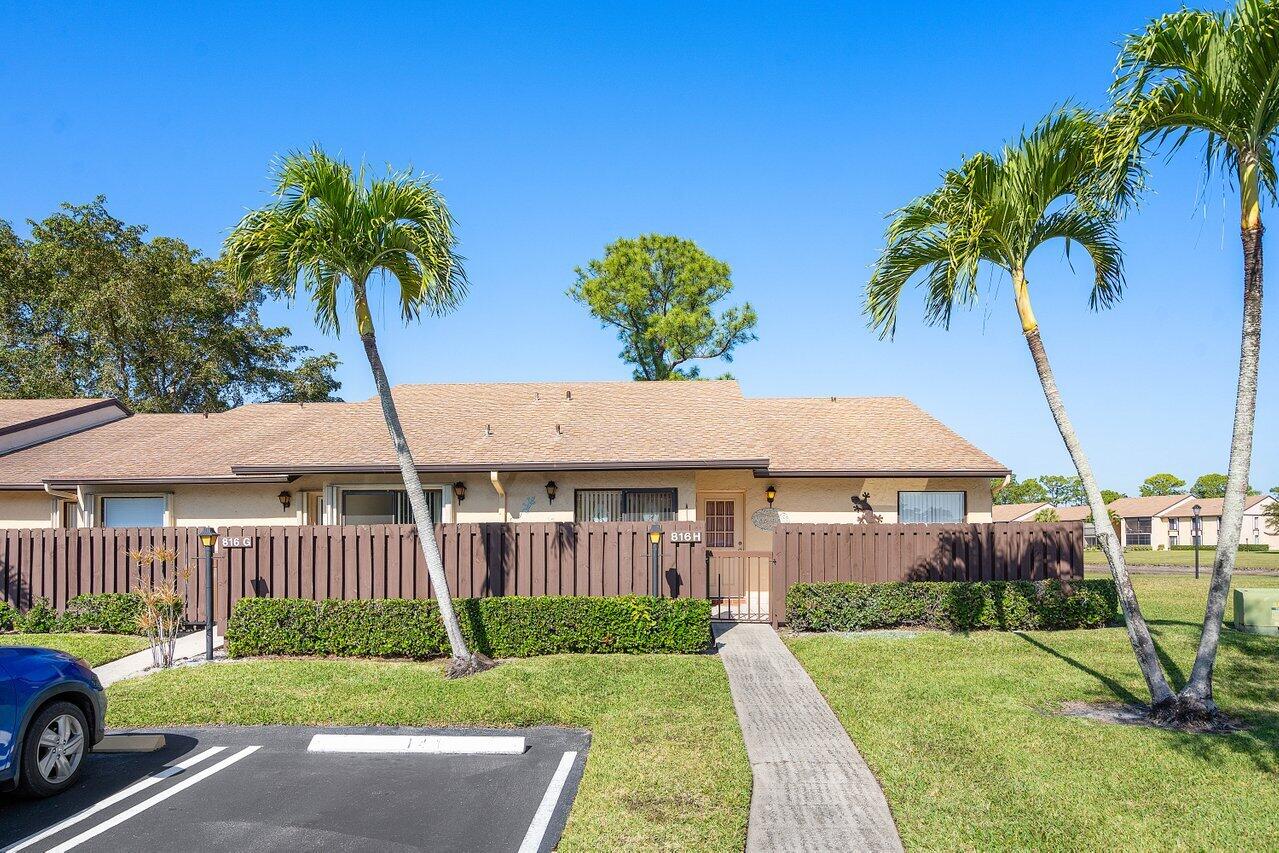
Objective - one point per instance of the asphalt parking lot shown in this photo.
(284, 788)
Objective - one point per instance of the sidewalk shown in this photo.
(812, 789)
(187, 646)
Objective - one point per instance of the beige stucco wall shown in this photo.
(25, 509)
(828, 500)
(815, 500)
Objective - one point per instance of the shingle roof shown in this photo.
(1208, 507)
(1011, 512)
(562, 425)
(1143, 506)
(1074, 513)
(861, 436)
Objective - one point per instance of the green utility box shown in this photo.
(1257, 610)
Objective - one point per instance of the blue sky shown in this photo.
(776, 137)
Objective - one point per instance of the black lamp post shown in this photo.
(1195, 532)
(208, 536)
(655, 557)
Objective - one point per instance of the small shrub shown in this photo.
(8, 616)
(499, 627)
(952, 605)
(1247, 546)
(41, 618)
(1137, 548)
(103, 612)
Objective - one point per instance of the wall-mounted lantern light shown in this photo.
(771, 494)
(286, 499)
(551, 490)
(459, 491)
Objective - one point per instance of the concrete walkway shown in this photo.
(189, 645)
(812, 789)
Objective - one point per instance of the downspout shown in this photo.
(59, 493)
(495, 478)
(67, 497)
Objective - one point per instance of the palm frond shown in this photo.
(996, 210)
(1193, 73)
(330, 227)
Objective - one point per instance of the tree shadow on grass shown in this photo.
(1247, 674)
(1114, 686)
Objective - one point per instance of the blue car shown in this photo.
(52, 709)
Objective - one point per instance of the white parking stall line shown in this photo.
(428, 744)
(542, 817)
(107, 802)
(151, 801)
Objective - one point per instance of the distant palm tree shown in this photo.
(997, 210)
(331, 230)
(1215, 75)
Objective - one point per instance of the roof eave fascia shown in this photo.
(389, 468)
(882, 472)
(63, 415)
(160, 481)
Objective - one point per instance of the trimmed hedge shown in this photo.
(1245, 546)
(951, 605)
(104, 612)
(512, 626)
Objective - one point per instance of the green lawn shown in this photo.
(97, 649)
(1244, 560)
(961, 732)
(667, 768)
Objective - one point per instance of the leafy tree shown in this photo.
(1271, 513)
(335, 231)
(996, 210)
(1196, 74)
(659, 292)
(1110, 495)
(1064, 490)
(1210, 486)
(89, 307)
(1047, 515)
(1024, 492)
(1274, 490)
(311, 382)
(1162, 484)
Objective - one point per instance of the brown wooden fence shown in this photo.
(385, 561)
(58, 565)
(352, 562)
(870, 553)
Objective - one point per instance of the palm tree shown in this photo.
(996, 211)
(331, 230)
(1216, 75)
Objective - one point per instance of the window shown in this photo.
(133, 511)
(384, 506)
(1137, 531)
(624, 505)
(1174, 530)
(67, 515)
(931, 507)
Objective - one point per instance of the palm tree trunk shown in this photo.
(464, 661)
(1143, 646)
(1196, 696)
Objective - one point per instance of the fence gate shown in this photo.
(738, 584)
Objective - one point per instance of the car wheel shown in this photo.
(54, 749)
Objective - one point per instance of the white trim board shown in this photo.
(424, 744)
